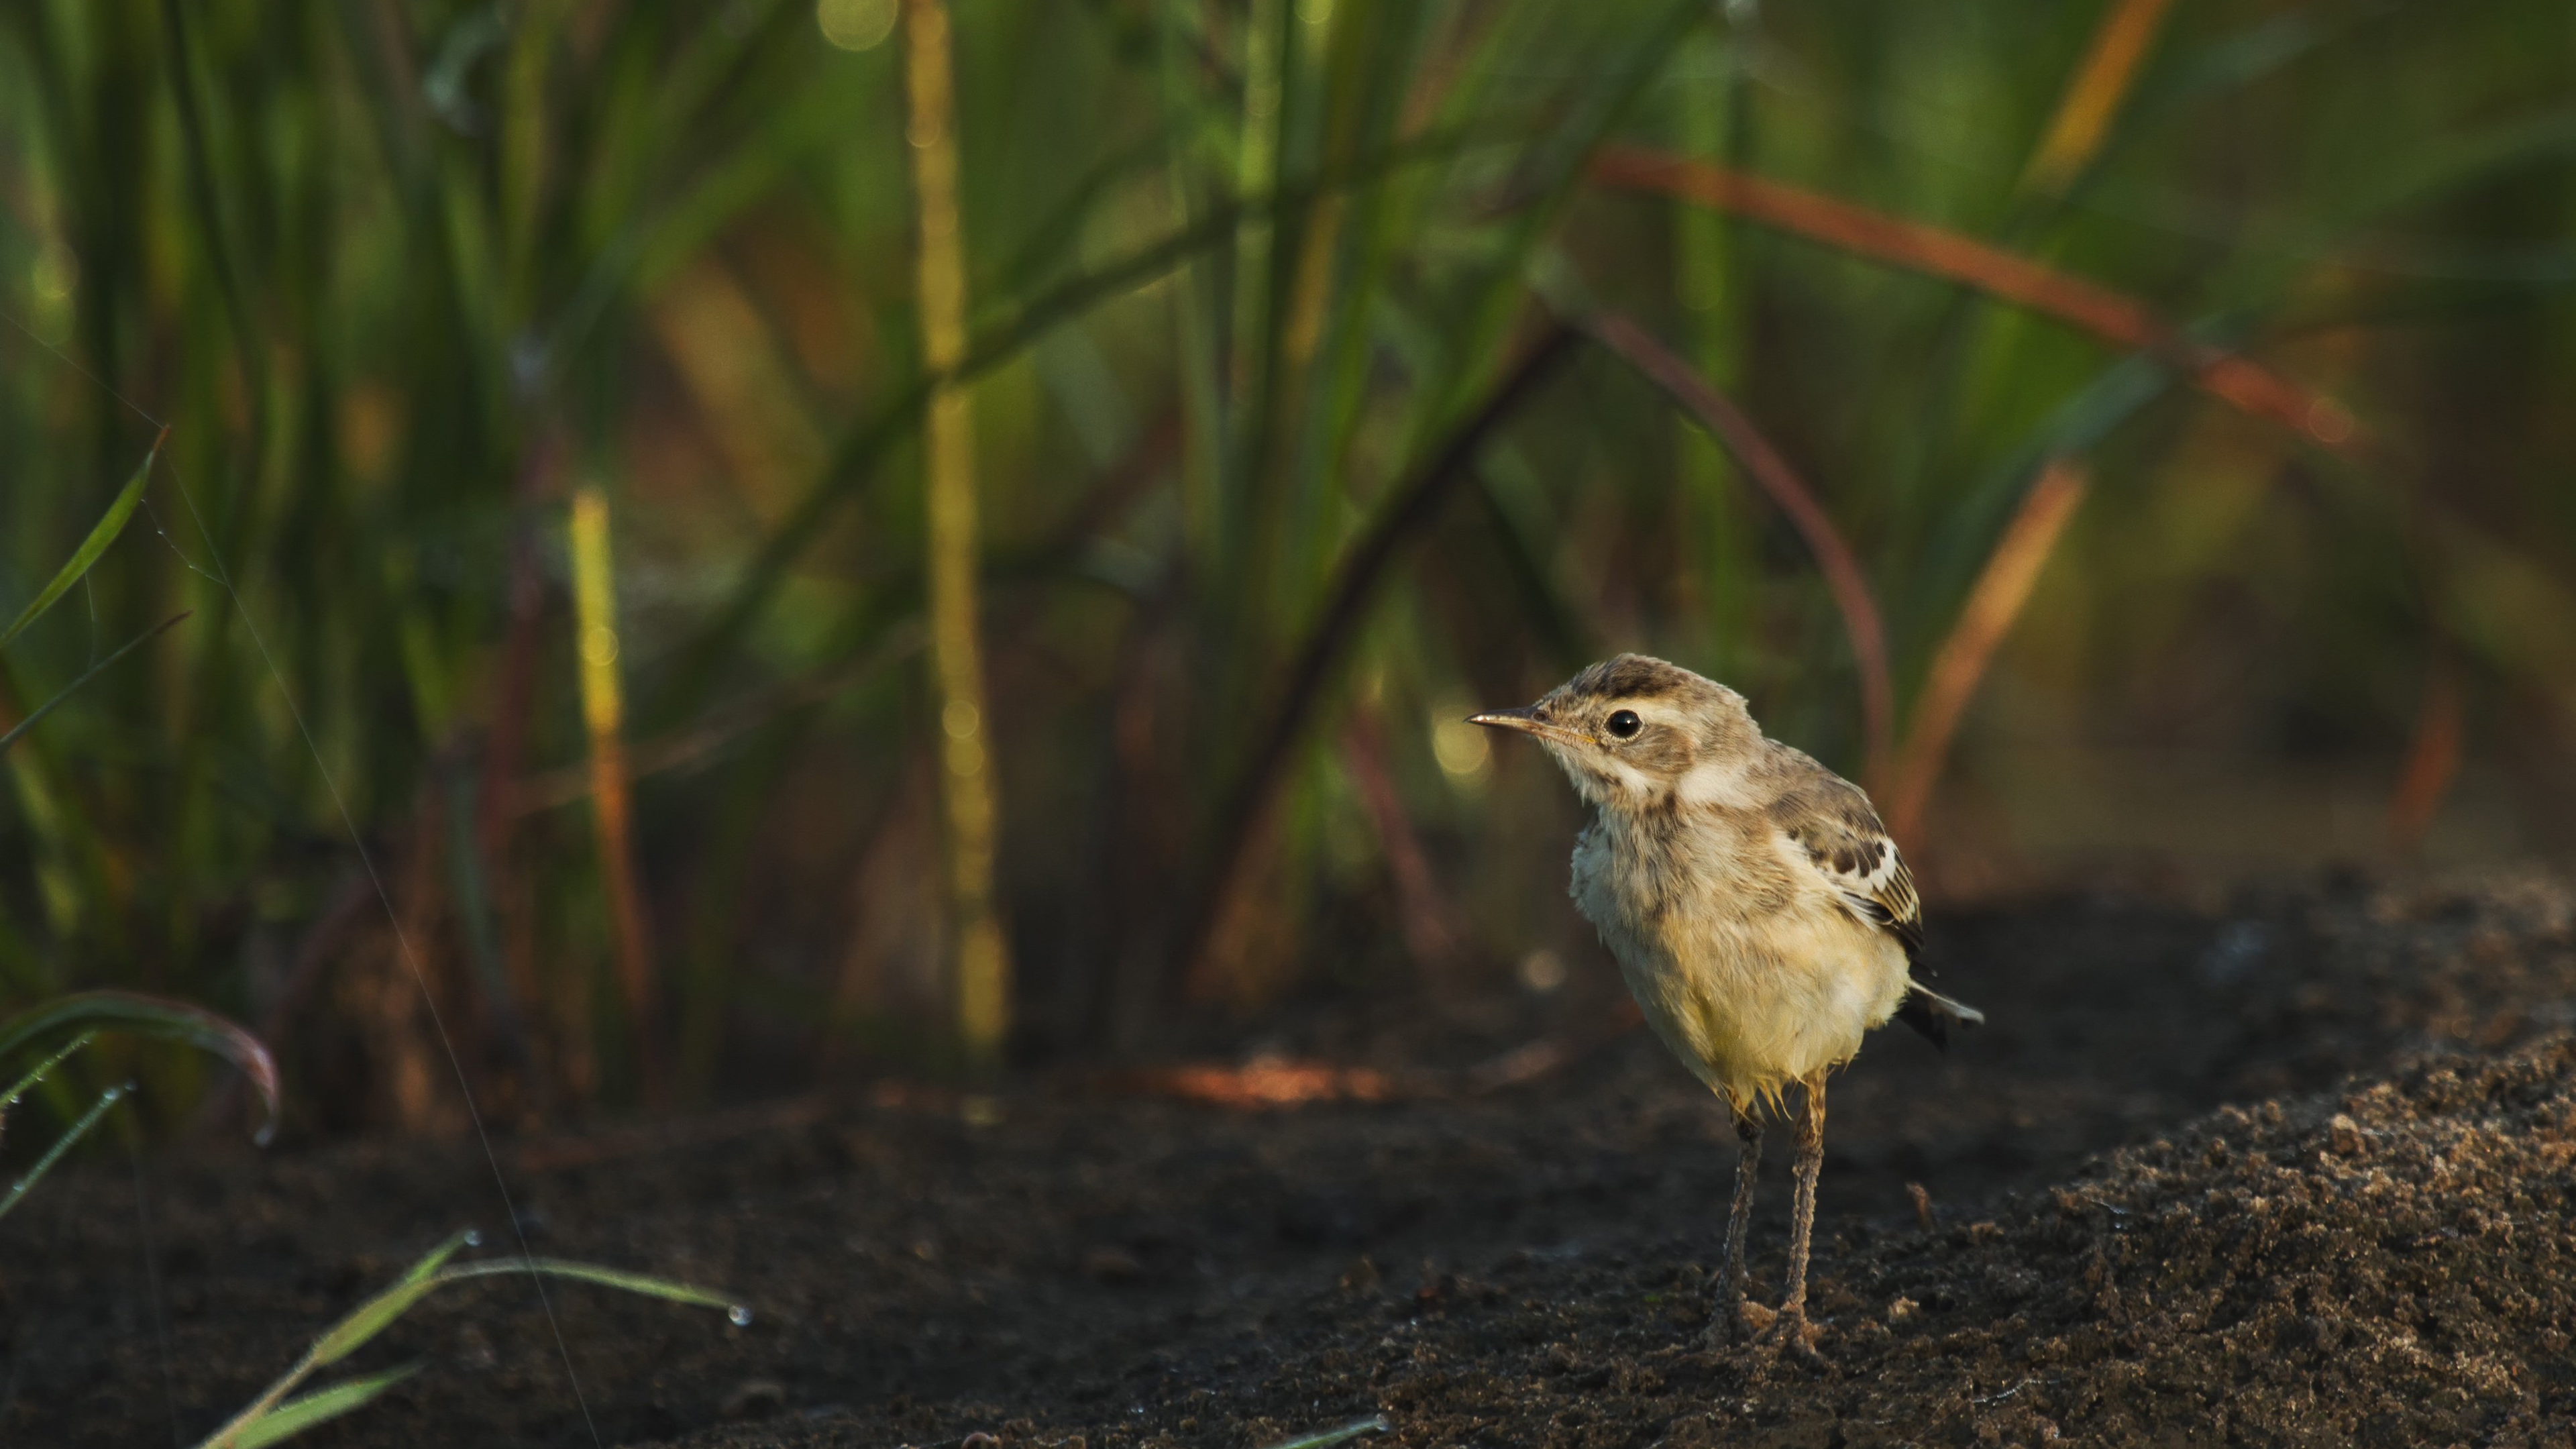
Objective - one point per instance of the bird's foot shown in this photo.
(1742, 1321)
(1792, 1334)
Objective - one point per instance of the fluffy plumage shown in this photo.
(1754, 902)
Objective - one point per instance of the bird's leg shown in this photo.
(1810, 1137)
(1730, 1315)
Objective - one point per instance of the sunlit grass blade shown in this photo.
(1993, 604)
(979, 962)
(109, 526)
(436, 1258)
(157, 1016)
(297, 1415)
(612, 808)
(94, 671)
(642, 1284)
(378, 1313)
(2102, 80)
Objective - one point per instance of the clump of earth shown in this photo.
(2297, 1171)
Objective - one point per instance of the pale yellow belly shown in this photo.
(1750, 1005)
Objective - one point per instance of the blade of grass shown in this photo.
(1727, 423)
(979, 959)
(426, 1276)
(1326, 1438)
(603, 716)
(642, 1284)
(297, 1415)
(378, 1313)
(1918, 246)
(39, 1072)
(89, 1121)
(342, 1339)
(157, 1016)
(1993, 603)
(1553, 174)
(94, 671)
(855, 457)
(1411, 507)
(109, 526)
(2101, 81)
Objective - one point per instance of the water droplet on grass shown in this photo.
(473, 1238)
(740, 1316)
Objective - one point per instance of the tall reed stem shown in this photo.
(602, 711)
(2102, 80)
(979, 958)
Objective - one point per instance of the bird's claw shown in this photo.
(1743, 1321)
(1793, 1335)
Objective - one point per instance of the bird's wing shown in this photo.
(1831, 821)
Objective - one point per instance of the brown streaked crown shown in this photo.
(1630, 677)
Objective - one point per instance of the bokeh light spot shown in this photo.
(855, 24)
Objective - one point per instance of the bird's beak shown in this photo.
(1527, 721)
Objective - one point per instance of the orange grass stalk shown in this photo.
(1993, 603)
(2094, 92)
(2113, 316)
(594, 595)
(2432, 761)
(979, 958)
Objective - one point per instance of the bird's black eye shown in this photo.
(1624, 724)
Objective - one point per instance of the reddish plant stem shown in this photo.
(2113, 316)
(1727, 423)
(2432, 760)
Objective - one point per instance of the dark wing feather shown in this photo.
(1831, 820)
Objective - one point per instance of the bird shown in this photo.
(1757, 908)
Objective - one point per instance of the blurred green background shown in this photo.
(407, 278)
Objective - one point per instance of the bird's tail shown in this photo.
(1933, 1014)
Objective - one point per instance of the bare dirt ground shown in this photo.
(2296, 1172)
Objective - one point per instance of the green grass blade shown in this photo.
(89, 1121)
(41, 1071)
(150, 1016)
(436, 1258)
(643, 1284)
(118, 512)
(297, 1415)
(42, 710)
(378, 1313)
(1325, 1438)
(855, 456)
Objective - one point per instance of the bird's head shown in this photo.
(1633, 733)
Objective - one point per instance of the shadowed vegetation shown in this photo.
(1294, 436)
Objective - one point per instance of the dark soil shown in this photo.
(2370, 1245)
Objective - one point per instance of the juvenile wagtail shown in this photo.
(1755, 903)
